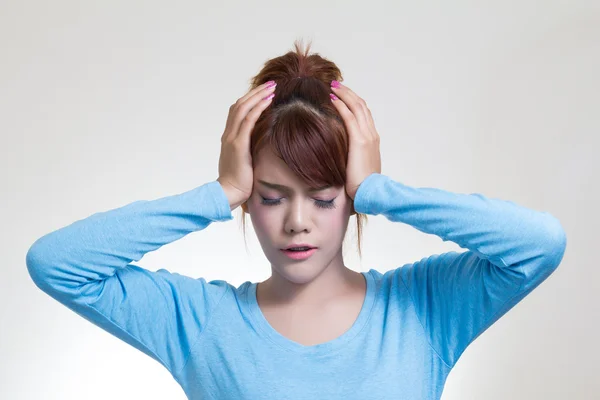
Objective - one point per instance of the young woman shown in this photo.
(300, 154)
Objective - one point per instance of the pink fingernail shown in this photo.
(270, 83)
(269, 96)
(335, 84)
(333, 96)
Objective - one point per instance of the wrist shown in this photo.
(232, 195)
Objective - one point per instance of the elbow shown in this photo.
(556, 243)
(36, 261)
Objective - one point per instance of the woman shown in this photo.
(301, 157)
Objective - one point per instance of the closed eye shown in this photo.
(319, 203)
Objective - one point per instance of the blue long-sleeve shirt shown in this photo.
(415, 322)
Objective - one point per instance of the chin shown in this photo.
(298, 272)
(298, 275)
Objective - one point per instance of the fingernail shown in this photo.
(333, 96)
(269, 96)
(271, 83)
(335, 84)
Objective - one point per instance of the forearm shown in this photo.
(92, 248)
(499, 230)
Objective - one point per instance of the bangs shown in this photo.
(309, 146)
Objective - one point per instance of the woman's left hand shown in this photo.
(363, 153)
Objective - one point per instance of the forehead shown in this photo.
(272, 169)
(268, 164)
(266, 157)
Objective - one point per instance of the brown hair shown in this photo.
(301, 126)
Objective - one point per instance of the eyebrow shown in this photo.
(288, 189)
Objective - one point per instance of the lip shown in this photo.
(299, 245)
(299, 255)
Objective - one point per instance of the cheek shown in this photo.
(263, 219)
(335, 223)
(259, 219)
(339, 220)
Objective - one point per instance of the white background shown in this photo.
(105, 103)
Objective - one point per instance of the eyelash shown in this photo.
(319, 203)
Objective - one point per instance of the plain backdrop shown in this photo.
(105, 103)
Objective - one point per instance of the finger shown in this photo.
(253, 92)
(371, 123)
(249, 121)
(356, 104)
(349, 118)
(243, 99)
(368, 121)
(244, 105)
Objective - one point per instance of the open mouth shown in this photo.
(299, 254)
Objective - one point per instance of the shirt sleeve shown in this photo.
(86, 267)
(457, 296)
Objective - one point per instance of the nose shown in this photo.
(298, 216)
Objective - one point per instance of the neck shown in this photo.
(333, 283)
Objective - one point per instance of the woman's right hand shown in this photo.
(235, 162)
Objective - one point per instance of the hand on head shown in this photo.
(364, 157)
(235, 161)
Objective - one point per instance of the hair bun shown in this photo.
(296, 72)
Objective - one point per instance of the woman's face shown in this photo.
(283, 216)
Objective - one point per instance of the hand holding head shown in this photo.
(235, 161)
(364, 157)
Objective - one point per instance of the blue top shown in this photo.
(415, 322)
